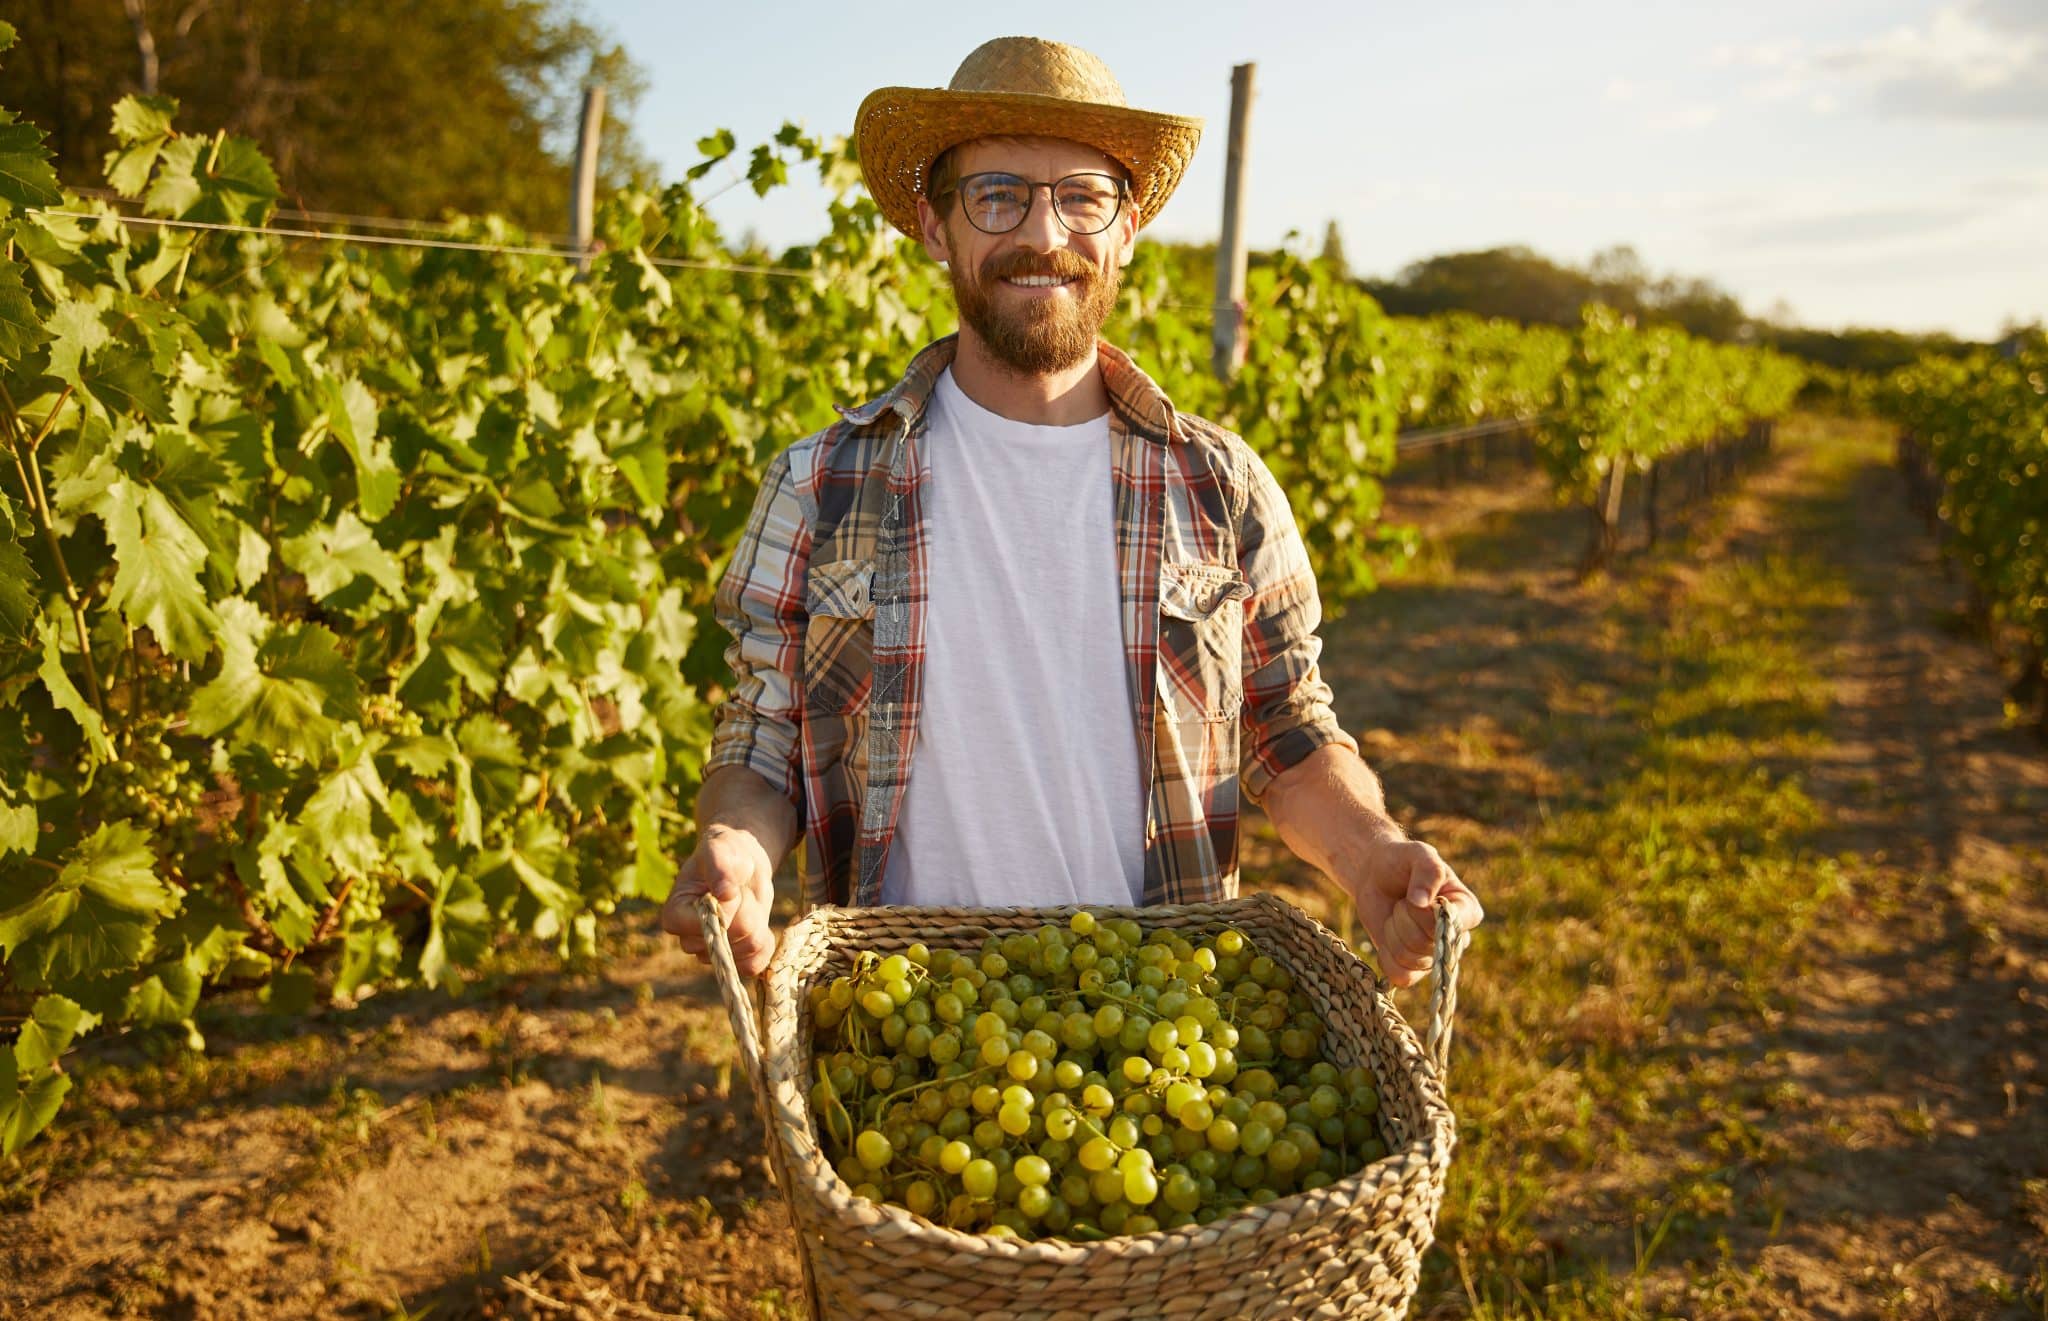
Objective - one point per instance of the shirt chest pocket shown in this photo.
(1201, 640)
(839, 636)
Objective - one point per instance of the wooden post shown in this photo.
(583, 201)
(1228, 353)
(145, 46)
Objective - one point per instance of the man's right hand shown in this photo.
(731, 865)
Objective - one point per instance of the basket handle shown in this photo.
(1443, 994)
(739, 1000)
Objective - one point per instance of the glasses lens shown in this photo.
(996, 203)
(1087, 202)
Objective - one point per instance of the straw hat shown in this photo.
(1023, 87)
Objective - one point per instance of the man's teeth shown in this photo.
(1040, 281)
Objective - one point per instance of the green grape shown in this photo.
(1033, 1171)
(979, 1179)
(955, 1156)
(873, 1149)
(1097, 1154)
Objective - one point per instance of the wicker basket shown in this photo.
(1351, 1248)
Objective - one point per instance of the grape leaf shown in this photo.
(458, 927)
(17, 592)
(169, 994)
(142, 125)
(65, 694)
(26, 1112)
(352, 414)
(47, 1034)
(339, 812)
(233, 185)
(18, 824)
(157, 583)
(26, 178)
(109, 898)
(332, 557)
(20, 330)
(284, 689)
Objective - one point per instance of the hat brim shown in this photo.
(901, 130)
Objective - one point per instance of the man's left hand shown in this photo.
(1396, 887)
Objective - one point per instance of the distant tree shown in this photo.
(1333, 250)
(439, 105)
(1512, 282)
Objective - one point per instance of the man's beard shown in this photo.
(1039, 336)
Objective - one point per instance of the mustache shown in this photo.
(1058, 264)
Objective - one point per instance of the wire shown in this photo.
(458, 245)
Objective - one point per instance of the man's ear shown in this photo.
(1128, 223)
(934, 228)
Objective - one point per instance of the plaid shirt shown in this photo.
(825, 598)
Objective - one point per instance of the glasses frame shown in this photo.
(1051, 186)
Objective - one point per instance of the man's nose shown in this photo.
(1041, 230)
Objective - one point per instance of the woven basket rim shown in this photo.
(1425, 1153)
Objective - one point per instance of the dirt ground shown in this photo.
(578, 1144)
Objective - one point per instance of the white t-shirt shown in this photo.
(1025, 789)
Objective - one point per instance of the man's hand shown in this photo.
(1396, 887)
(730, 864)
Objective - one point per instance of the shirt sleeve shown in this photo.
(1287, 705)
(760, 601)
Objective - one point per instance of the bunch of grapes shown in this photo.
(1083, 1081)
(147, 782)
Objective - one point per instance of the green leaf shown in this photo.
(17, 592)
(714, 149)
(139, 118)
(20, 330)
(285, 690)
(25, 1113)
(18, 826)
(109, 899)
(26, 178)
(458, 928)
(142, 125)
(66, 695)
(339, 812)
(51, 1025)
(289, 993)
(332, 557)
(280, 897)
(123, 382)
(352, 414)
(157, 584)
(169, 994)
(7, 37)
(76, 331)
(232, 185)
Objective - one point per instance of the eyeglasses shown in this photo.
(997, 202)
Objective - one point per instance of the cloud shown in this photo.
(1970, 60)
(1844, 226)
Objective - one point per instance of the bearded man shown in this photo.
(1018, 632)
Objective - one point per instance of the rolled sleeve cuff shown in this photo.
(763, 748)
(1281, 750)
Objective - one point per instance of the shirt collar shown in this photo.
(1134, 397)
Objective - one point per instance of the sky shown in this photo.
(1839, 162)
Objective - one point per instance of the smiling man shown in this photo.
(1017, 632)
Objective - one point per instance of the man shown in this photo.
(1016, 633)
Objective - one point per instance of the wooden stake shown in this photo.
(1228, 353)
(583, 200)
